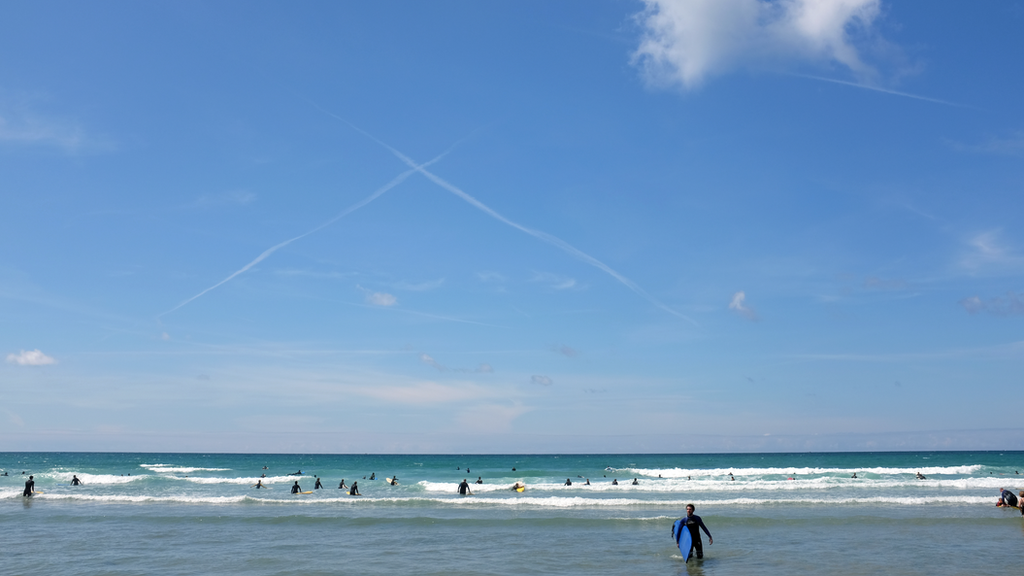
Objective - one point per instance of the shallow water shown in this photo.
(194, 513)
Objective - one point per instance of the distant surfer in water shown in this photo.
(299, 473)
(373, 476)
(694, 524)
(464, 488)
(518, 485)
(635, 482)
(75, 481)
(318, 484)
(615, 481)
(342, 485)
(295, 488)
(259, 484)
(568, 482)
(479, 480)
(394, 481)
(30, 487)
(355, 489)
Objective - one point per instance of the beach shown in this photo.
(782, 514)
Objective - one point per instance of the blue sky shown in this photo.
(511, 227)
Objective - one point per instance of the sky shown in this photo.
(511, 227)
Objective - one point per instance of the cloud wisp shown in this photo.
(483, 368)
(541, 379)
(543, 236)
(739, 304)
(1010, 305)
(376, 194)
(30, 358)
(883, 90)
(686, 41)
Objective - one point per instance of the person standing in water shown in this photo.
(355, 490)
(464, 488)
(694, 524)
(295, 488)
(30, 487)
(318, 484)
(342, 485)
(75, 481)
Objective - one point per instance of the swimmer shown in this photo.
(259, 484)
(615, 482)
(75, 481)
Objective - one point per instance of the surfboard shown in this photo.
(521, 488)
(683, 538)
(388, 480)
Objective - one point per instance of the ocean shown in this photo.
(769, 514)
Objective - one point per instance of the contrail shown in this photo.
(395, 182)
(544, 236)
(885, 90)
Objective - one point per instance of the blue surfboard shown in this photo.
(683, 538)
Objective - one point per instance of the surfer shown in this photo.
(318, 484)
(479, 480)
(75, 481)
(588, 482)
(615, 481)
(518, 485)
(921, 476)
(1006, 498)
(259, 484)
(355, 490)
(394, 481)
(342, 485)
(568, 482)
(295, 488)
(694, 524)
(464, 488)
(373, 475)
(635, 483)
(30, 486)
(854, 475)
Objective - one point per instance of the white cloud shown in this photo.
(986, 251)
(483, 368)
(490, 277)
(429, 361)
(555, 281)
(30, 358)
(739, 305)
(1010, 305)
(542, 380)
(685, 41)
(381, 299)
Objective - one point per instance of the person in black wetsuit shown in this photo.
(694, 524)
(30, 487)
(394, 481)
(355, 489)
(464, 488)
(1007, 498)
(342, 485)
(568, 482)
(373, 476)
(75, 481)
(479, 480)
(318, 484)
(295, 488)
(258, 484)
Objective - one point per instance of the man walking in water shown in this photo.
(295, 488)
(694, 524)
(30, 487)
(464, 488)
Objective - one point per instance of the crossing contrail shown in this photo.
(394, 182)
(543, 236)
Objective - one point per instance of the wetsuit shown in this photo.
(373, 476)
(295, 488)
(463, 488)
(694, 524)
(75, 481)
(30, 487)
(1009, 499)
(354, 491)
(318, 485)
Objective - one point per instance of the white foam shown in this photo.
(746, 472)
(173, 469)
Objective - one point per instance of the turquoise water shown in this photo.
(781, 514)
